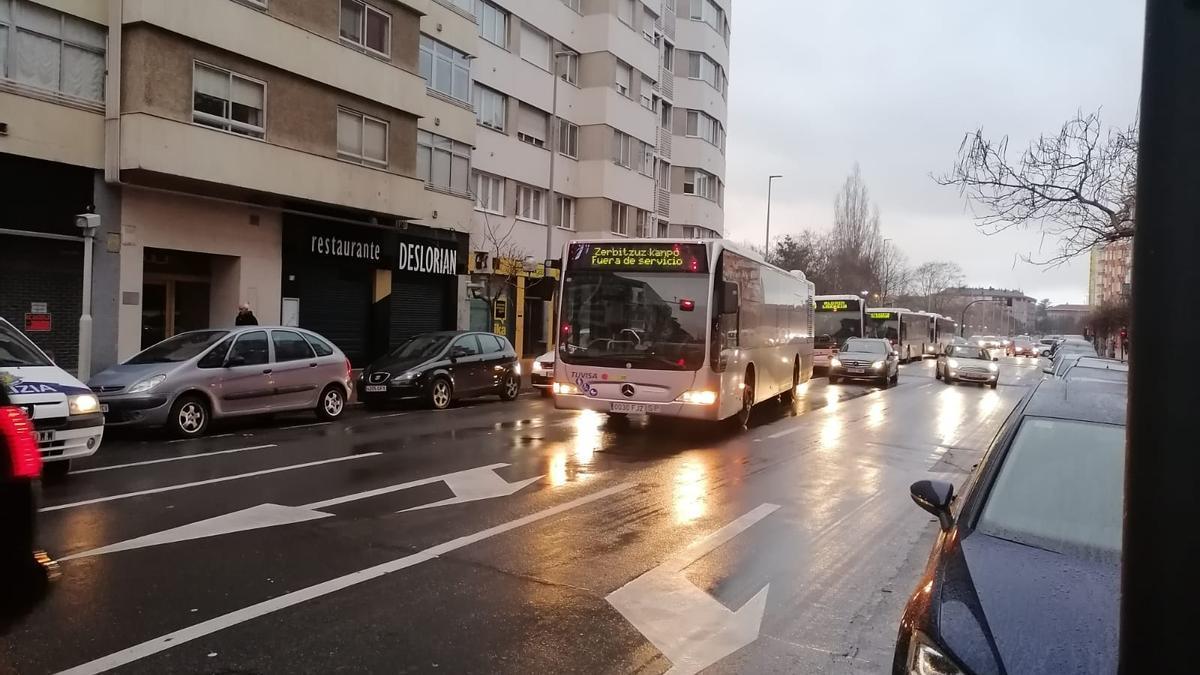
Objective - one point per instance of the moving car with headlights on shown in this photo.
(1025, 574)
(1023, 345)
(865, 359)
(67, 421)
(440, 368)
(185, 382)
(967, 363)
(542, 374)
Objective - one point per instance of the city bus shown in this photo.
(697, 329)
(911, 333)
(837, 318)
(945, 330)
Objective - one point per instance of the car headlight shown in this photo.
(926, 659)
(834, 362)
(993, 367)
(404, 377)
(952, 363)
(701, 397)
(146, 384)
(565, 389)
(517, 368)
(877, 365)
(83, 404)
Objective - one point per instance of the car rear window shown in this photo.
(1060, 487)
(319, 346)
(491, 344)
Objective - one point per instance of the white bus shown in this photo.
(694, 329)
(911, 333)
(837, 319)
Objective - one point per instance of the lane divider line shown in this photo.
(172, 459)
(165, 642)
(181, 486)
(304, 426)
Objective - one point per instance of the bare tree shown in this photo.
(931, 278)
(891, 271)
(507, 259)
(855, 244)
(1076, 186)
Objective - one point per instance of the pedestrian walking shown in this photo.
(245, 317)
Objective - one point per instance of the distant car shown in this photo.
(1068, 351)
(1025, 576)
(542, 374)
(440, 368)
(185, 382)
(865, 359)
(1046, 346)
(969, 363)
(67, 418)
(1023, 346)
(1080, 364)
(24, 568)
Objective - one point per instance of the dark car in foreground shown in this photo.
(865, 359)
(440, 368)
(24, 569)
(1025, 574)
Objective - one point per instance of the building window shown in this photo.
(490, 107)
(620, 218)
(648, 21)
(489, 193)
(568, 139)
(701, 125)
(570, 68)
(535, 46)
(625, 12)
(664, 175)
(443, 163)
(366, 26)
(622, 149)
(573, 4)
(700, 183)
(708, 12)
(493, 24)
(668, 56)
(623, 80)
(662, 229)
(362, 138)
(531, 204)
(667, 112)
(225, 100)
(701, 67)
(647, 165)
(643, 223)
(646, 93)
(50, 50)
(261, 4)
(531, 125)
(564, 212)
(445, 69)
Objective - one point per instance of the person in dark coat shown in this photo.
(245, 317)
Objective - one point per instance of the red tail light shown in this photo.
(349, 368)
(18, 434)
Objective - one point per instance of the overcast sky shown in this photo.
(817, 85)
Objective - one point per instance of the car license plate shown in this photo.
(633, 408)
(856, 371)
(376, 387)
(45, 436)
(103, 407)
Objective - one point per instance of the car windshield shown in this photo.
(179, 348)
(968, 352)
(1060, 487)
(864, 346)
(17, 351)
(421, 346)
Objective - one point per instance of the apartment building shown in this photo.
(309, 158)
(1111, 273)
(598, 119)
(998, 311)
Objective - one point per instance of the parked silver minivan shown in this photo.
(186, 381)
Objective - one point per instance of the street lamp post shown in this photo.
(962, 324)
(553, 194)
(767, 240)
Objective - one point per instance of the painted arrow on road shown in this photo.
(686, 624)
(471, 485)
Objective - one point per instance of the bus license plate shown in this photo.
(856, 371)
(45, 436)
(633, 408)
(376, 387)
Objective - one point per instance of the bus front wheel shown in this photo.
(743, 415)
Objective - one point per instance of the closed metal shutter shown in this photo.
(418, 308)
(336, 303)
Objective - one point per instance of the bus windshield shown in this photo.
(885, 327)
(834, 328)
(652, 320)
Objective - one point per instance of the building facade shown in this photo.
(1111, 273)
(998, 311)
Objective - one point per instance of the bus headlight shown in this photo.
(565, 389)
(834, 362)
(700, 397)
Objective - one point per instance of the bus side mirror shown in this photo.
(730, 301)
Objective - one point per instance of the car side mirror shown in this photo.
(235, 361)
(995, 358)
(730, 297)
(458, 352)
(934, 496)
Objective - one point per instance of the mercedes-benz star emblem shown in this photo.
(628, 390)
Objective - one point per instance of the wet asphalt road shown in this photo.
(602, 563)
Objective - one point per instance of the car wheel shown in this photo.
(790, 395)
(510, 388)
(833, 379)
(994, 384)
(332, 403)
(896, 377)
(56, 471)
(189, 417)
(887, 380)
(441, 394)
(947, 380)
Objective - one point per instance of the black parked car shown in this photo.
(24, 568)
(440, 368)
(1025, 575)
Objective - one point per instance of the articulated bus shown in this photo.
(838, 318)
(911, 333)
(945, 330)
(696, 329)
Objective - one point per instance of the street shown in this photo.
(509, 537)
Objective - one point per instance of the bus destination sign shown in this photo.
(881, 315)
(837, 305)
(639, 257)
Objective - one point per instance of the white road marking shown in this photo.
(474, 485)
(379, 417)
(165, 642)
(172, 459)
(304, 426)
(785, 432)
(198, 483)
(686, 624)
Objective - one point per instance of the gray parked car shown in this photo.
(186, 381)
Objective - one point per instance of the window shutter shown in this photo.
(532, 122)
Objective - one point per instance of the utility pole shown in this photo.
(555, 131)
(1161, 552)
(767, 240)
